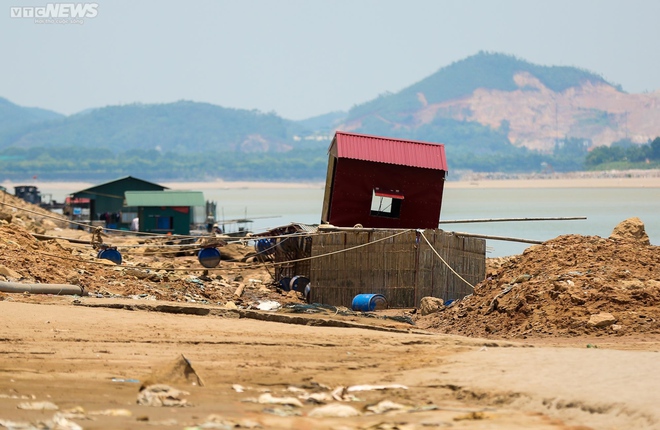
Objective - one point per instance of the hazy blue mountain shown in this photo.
(15, 116)
(180, 127)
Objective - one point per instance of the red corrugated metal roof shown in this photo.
(392, 151)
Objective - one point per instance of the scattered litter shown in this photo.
(336, 410)
(14, 425)
(113, 413)
(376, 387)
(15, 396)
(77, 413)
(293, 389)
(267, 398)
(61, 423)
(161, 395)
(238, 388)
(218, 422)
(130, 380)
(338, 393)
(38, 406)
(268, 305)
(387, 406)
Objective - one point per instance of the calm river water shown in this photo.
(603, 207)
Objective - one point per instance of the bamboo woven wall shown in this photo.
(403, 268)
(292, 249)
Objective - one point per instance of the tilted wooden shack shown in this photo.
(380, 228)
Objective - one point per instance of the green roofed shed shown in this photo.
(106, 202)
(166, 211)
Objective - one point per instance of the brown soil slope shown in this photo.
(569, 286)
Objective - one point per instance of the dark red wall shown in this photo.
(355, 180)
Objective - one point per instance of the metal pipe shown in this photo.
(463, 221)
(56, 289)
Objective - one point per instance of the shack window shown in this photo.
(386, 203)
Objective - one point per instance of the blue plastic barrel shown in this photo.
(369, 302)
(298, 283)
(209, 257)
(285, 283)
(265, 246)
(110, 254)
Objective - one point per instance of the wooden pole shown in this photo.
(45, 237)
(506, 238)
(462, 221)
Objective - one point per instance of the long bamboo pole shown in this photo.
(505, 238)
(463, 221)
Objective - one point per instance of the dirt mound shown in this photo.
(146, 276)
(570, 286)
(29, 216)
(631, 229)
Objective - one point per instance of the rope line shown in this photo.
(343, 250)
(445, 263)
(254, 266)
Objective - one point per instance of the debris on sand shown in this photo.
(161, 395)
(572, 285)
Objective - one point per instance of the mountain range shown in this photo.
(492, 111)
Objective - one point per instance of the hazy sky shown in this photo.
(305, 58)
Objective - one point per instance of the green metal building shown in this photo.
(166, 211)
(106, 201)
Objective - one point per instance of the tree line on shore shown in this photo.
(301, 164)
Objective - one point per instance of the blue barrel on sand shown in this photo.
(285, 283)
(110, 254)
(209, 257)
(298, 283)
(369, 302)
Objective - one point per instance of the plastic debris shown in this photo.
(238, 388)
(336, 410)
(61, 423)
(38, 406)
(387, 406)
(161, 395)
(267, 398)
(376, 387)
(129, 380)
(113, 413)
(214, 421)
(268, 305)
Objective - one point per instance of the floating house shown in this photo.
(166, 211)
(383, 182)
(106, 202)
